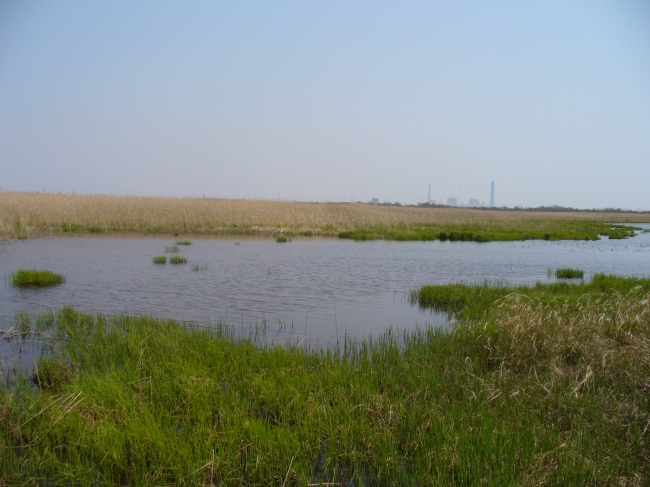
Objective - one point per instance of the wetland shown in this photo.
(325, 361)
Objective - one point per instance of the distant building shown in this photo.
(452, 202)
(375, 201)
(474, 202)
(432, 202)
(492, 195)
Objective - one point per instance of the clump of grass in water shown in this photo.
(183, 242)
(198, 268)
(171, 248)
(35, 278)
(177, 259)
(21, 236)
(569, 273)
(281, 239)
(160, 259)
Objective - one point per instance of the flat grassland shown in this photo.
(546, 385)
(26, 215)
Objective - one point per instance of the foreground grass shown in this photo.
(35, 278)
(548, 387)
(35, 214)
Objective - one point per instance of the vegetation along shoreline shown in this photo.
(28, 215)
(533, 386)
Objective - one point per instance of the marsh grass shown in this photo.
(198, 268)
(183, 242)
(171, 248)
(177, 259)
(160, 259)
(37, 214)
(280, 238)
(35, 278)
(569, 273)
(545, 388)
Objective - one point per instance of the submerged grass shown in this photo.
(569, 273)
(548, 387)
(183, 242)
(35, 278)
(177, 259)
(160, 259)
(171, 248)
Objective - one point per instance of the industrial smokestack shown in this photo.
(492, 196)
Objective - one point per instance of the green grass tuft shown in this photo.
(569, 273)
(21, 236)
(177, 259)
(183, 242)
(171, 248)
(95, 229)
(161, 259)
(281, 238)
(35, 278)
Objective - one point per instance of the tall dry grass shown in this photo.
(34, 214)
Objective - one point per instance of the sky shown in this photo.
(329, 101)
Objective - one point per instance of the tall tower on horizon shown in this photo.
(429, 199)
(492, 196)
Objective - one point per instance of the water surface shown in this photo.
(322, 287)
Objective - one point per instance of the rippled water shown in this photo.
(316, 286)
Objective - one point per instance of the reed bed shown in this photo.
(35, 214)
(545, 388)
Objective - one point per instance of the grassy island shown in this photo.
(546, 385)
(35, 278)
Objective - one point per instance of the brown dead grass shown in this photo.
(36, 214)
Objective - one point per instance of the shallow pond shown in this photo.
(318, 288)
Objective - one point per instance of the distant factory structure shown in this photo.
(492, 195)
(455, 200)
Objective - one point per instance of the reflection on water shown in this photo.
(317, 286)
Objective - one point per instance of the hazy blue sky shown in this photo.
(329, 100)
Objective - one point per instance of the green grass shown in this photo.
(489, 231)
(183, 242)
(95, 229)
(281, 238)
(569, 273)
(549, 386)
(21, 236)
(198, 268)
(35, 278)
(171, 248)
(160, 259)
(177, 259)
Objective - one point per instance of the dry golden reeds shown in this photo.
(34, 214)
